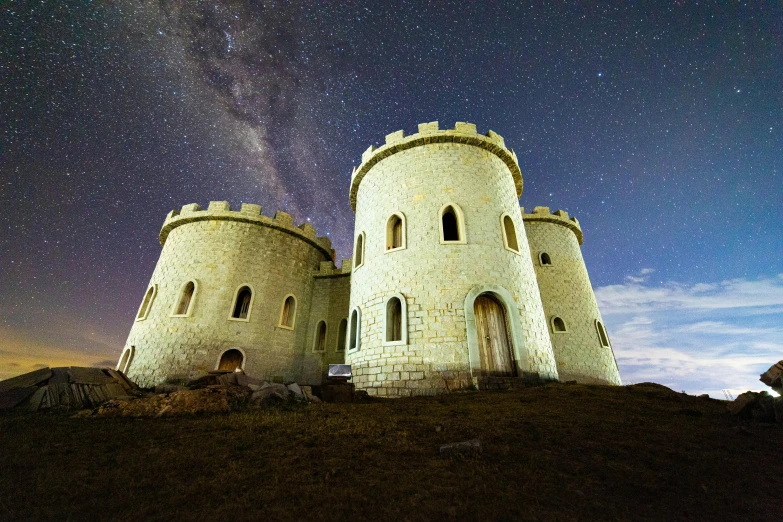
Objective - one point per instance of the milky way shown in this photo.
(658, 127)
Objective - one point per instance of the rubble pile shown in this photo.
(68, 388)
(761, 406)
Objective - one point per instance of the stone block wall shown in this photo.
(566, 292)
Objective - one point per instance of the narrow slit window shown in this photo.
(510, 234)
(558, 325)
(289, 312)
(602, 337)
(450, 225)
(354, 335)
(359, 254)
(183, 307)
(242, 303)
(341, 335)
(394, 320)
(320, 337)
(146, 304)
(545, 259)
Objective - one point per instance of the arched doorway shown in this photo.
(231, 360)
(494, 339)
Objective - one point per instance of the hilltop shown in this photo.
(555, 452)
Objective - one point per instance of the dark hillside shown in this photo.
(558, 452)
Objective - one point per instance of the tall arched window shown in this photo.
(319, 344)
(451, 224)
(183, 306)
(288, 313)
(358, 255)
(602, 337)
(341, 335)
(354, 327)
(395, 232)
(558, 325)
(243, 301)
(396, 325)
(146, 303)
(509, 233)
(126, 359)
(544, 259)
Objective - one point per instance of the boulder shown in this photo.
(773, 376)
(296, 391)
(743, 404)
(25, 380)
(467, 448)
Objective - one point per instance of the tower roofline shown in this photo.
(429, 133)
(250, 213)
(559, 217)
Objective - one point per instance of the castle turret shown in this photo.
(232, 289)
(579, 339)
(443, 288)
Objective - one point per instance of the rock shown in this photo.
(15, 396)
(461, 449)
(269, 393)
(765, 409)
(25, 380)
(254, 387)
(779, 409)
(704, 396)
(251, 382)
(169, 388)
(296, 391)
(81, 375)
(773, 376)
(743, 404)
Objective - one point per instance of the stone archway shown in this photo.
(513, 327)
(496, 352)
(231, 360)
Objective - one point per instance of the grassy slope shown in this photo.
(559, 452)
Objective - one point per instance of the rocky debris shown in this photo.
(759, 406)
(774, 377)
(467, 448)
(69, 388)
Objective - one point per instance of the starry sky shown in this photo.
(658, 125)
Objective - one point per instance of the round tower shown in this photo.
(579, 339)
(232, 289)
(443, 289)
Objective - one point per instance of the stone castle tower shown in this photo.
(449, 282)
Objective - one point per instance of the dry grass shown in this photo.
(559, 452)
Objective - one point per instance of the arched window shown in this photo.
(396, 325)
(354, 334)
(544, 259)
(602, 337)
(558, 325)
(288, 313)
(319, 344)
(358, 255)
(243, 302)
(183, 306)
(231, 360)
(146, 304)
(126, 359)
(509, 233)
(452, 224)
(341, 335)
(395, 232)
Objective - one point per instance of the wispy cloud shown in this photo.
(701, 338)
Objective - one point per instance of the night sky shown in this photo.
(660, 127)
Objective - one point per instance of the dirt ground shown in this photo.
(557, 452)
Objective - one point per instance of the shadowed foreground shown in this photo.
(558, 452)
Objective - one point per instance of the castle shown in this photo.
(450, 280)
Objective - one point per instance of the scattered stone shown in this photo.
(461, 449)
(774, 377)
(296, 391)
(169, 388)
(25, 380)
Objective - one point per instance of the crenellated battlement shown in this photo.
(248, 213)
(429, 133)
(560, 217)
(329, 269)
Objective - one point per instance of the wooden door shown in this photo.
(493, 338)
(231, 360)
